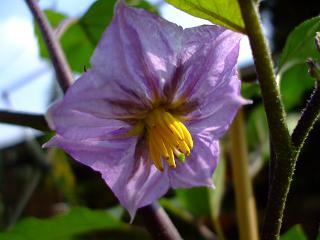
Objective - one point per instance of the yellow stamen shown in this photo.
(155, 155)
(167, 137)
(173, 125)
(170, 160)
(159, 143)
(186, 135)
(183, 147)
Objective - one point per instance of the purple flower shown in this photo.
(150, 111)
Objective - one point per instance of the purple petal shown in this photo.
(138, 51)
(209, 55)
(199, 166)
(135, 182)
(216, 112)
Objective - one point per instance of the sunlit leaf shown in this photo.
(222, 12)
(296, 233)
(82, 36)
(55, 19)
(293, 71)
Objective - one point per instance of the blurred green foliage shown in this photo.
(294, 233)
(64, 226)
(292, 69)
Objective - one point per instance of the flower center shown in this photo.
(167, 138)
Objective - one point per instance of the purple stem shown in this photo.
(56, 54)
(36, 121)
(158, 223)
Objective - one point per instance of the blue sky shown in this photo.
(25, 79)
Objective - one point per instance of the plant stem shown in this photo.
(245, 201)
(309, 116)
(56, 54)
(281, 141)
(32, 183)
(158, 223)
(36, 121)
(269, 89)
(187, 217)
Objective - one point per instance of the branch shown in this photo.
(158, 223)
(36, 121)
(308, 118)
(245, 201)
(56, 54)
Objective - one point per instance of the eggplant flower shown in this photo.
(149, 113)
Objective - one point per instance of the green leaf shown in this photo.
(257, 130)
(80, 40)
(293, 71)
(318, 236)
(296, 232)
(195, 200)
(82, 36)
(250, 90)
(54, 19)
(216, 195)
(61, 174)
(222, 12)
(203, 201)
(76, 221)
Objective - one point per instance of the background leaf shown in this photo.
(82, 36)
(222, 12)
(216, 195)
(204, 201)
(296, 232)
(293, 71)
(76, 221)
(195, 200)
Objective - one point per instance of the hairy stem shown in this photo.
(56, 54)
(245, 201)
(280, 137)
(36, 121)
(309, 116)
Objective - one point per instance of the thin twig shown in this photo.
(64, 26)
(245, 201)
(31, 185)
(36, 121)
(56, 54)
(158, 223)
(188, 218)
